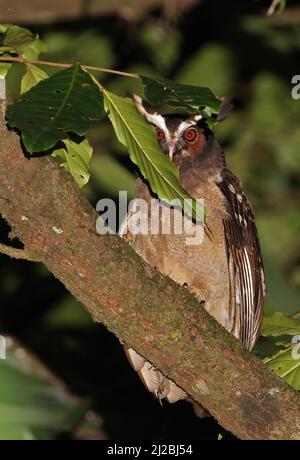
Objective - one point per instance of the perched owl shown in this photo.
(224, 271)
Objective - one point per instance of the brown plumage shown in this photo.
(225, 271)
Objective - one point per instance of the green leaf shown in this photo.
(69, 101)
(278, 324)
(139, 139)
(31, 77)
(286, 364)
(34, 49)
(20, 41)
(75, 158)
(15, 39)
(184, 98)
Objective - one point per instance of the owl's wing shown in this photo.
(244, 261)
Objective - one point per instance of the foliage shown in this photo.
(15, 40)
(278, 324)
(261, 143)
(66, 102)
(182, 98)
(75, 158)
(287, 365)
(286, 361)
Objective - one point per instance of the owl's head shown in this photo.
(176, 134)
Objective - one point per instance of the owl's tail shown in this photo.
(158, 384)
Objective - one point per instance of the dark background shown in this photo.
(235, 50)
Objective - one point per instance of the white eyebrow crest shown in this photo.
(185, 124)
(156, 119)
(153, 118)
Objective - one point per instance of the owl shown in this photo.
(224, 271)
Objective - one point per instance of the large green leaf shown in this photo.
(75, 158)
(278, 324)
(183, 98)
(66, 102)
(286, 364)
(138, 137)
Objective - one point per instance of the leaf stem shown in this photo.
(63, 65)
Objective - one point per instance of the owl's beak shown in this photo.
(171, 149)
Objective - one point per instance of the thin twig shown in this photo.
(61, 65)
(18, 253)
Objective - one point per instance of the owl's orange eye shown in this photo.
(190, 135)
(159, 134)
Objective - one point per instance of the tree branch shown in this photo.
(139, 305)
(17, 253)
